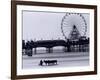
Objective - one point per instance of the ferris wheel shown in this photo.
(73, 21)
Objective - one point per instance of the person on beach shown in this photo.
(41, 63)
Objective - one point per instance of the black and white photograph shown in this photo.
(55, 39)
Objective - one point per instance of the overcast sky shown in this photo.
(45, 25)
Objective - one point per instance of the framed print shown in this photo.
(52, 39)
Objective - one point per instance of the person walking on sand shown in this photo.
(41, 63)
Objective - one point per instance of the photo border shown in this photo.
(14, 39)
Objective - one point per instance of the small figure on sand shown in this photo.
(41, 63)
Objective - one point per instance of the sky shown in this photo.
(47, 25)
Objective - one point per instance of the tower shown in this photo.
(74, 34)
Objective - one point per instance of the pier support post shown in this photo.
(35, 51)
(49, 50)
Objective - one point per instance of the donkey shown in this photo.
(50, 62)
